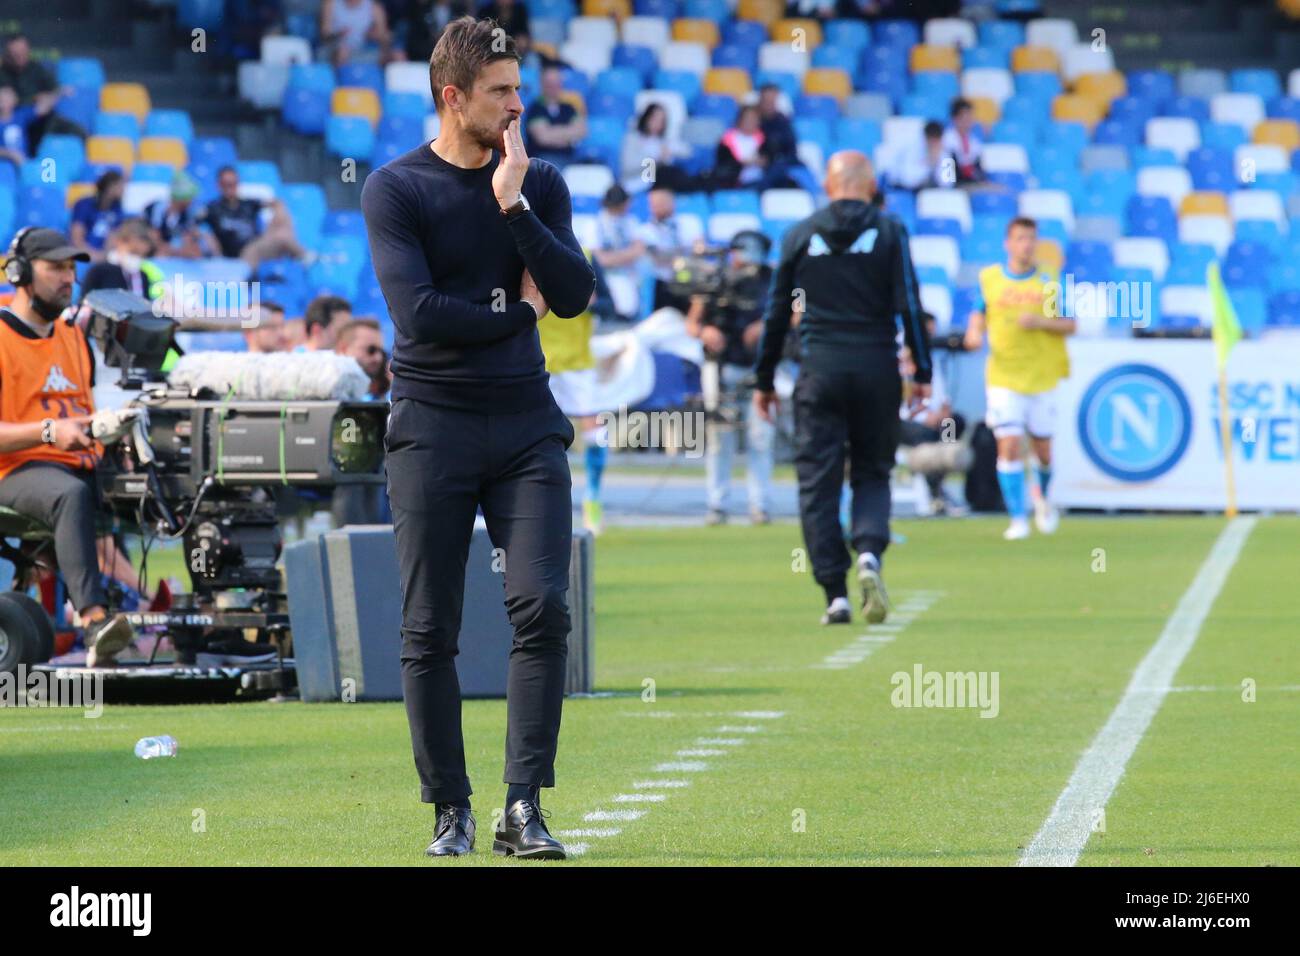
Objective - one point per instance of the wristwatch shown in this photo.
(47, 430)
(518, 209)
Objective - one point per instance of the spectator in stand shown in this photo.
(175, 222)
(740, 160)
(925, 164)
(14, 120)
(619, 250)
(356, 31)
(666, 237)
(267, 331)
(36, 88)
(814, 9)
(126, 264)
(236, 225)
(363, 339)
(554, 125)
(326, 314)
(962, 142)
(95, 217)
(780, 145)
(294, 337)
(425, 21)
(650, 141)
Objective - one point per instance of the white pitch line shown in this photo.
(660, 784)
(1067, 828)
(733, 729)
(576, 849)
(721, 741)
(680, 766)
(760, 714)
(608, 816)
(701, 752)
(640, 798)
(589, 832)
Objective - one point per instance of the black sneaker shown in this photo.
(838, 612)
(523, 834)
(106, 639)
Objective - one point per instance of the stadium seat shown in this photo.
(1142, 252)
(1083, 59)
(651, 32)
(409, 78)
(799, 33)
(786, 204)
(823, 81)
(727, 81)
(1004, 157)
(125, 98)
(84, 72)
(1076, 109)
(1278, 132)
(1035, 59)
(993, 84)
(285, 50)
(1209, 230)
(588, 179)
(951, 204)
(1057, 33)
(1172, 182)
(112, 151)
(1178, 134)
(1201, 83)
(1182, 300)
(1203, 204)
(68, 154)
(606, 8)
(357, 101)
(138, 195)
(163, 149)
(1103, 158)
(305, 110)
(643, 59)
(781, 58)
(941, 251)
(685, 57)
(1257, 204)
(592, 31)
(1244, 109)
(1151, 216)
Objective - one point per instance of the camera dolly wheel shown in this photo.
(19, 641)
(41, 620)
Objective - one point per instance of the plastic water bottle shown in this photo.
(146, 748)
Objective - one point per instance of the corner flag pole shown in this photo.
(1225, 436)
(1226, 331)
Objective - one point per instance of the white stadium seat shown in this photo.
(810, 154)
(1172, 182)
(409, 78)
(653, 32)
(781, 58)
(588, 179)
(688, 57)
(1142, 252)
(991, 82)
(1293, 83)
(1004, 158)
(590, 58)
(586, 229)
(598, 31)
(944, 204)
(937, 300)
(950, 31)
(1257, 204)
(1048, 204)
(1259, 159)
(263, 84)
(1244, 109)
(1213, 231)
(724, 225)
(789, 204)
(1058, 33)
(286, 51)
(1187, 300)
(938, 251)
(1083, 59)
(1179, 134)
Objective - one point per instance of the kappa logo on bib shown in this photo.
(1134, 422)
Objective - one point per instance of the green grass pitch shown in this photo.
(786, 762)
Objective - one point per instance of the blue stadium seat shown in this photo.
(401, 129)
(985, 57)
(216, 150)
(1222, 135)
(680, 81)
(639, 58)
(1144, 156)
(990, 203)
(1251, 307)
(207, 14)
(827, 56)
(1003, 34)
(936, 83)
(982, 249)
(306, 110)
(40, 205)
(902, 34)
(717, 106)
(1284, 107)
(1262, 231)
(1063, 134)
(1154, 86)
(367, 75)
(1284, 309)
(886, 80)
(259, 171)
(817, 107)
(736, 200)
(152, 173)
(552, 9)
(1211, 169)
(1151, 216)
(1118, 132)
(80, 106)
(860, 134)
(932, 226)
(68, 153)
(344, 222)
(925, 105)
(1008, 180)
(736, 55)
(788, 82)
(312, 76)
(404, 105)
(666, 9)
(1040, 84)
(1192, 107)
(1015, 131)
(306, 203)
(80, 71)
(932, 275)
(1261, 82)
(611, 103)
(846, 34)
(576, 81)
(697, 204)
(619, 79)
(1132, 109)
(173, 123)
(1027, 108)
(816, 129)
(124, 125)
(1284, 184)
(707, 9)
(749, 33)
(349, 136)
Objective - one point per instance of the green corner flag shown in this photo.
(1225, 327)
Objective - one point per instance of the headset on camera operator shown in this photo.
(728, 320)
(48, 454)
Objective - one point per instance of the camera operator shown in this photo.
(729, 323)
(47, 455)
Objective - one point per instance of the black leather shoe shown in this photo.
(523, 833)
(454, 835)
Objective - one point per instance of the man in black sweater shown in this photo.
(472, 242)
(848, 270)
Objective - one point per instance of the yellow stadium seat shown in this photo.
(1077, 109)
(1278, 132)
(786, 31)
(764, 11)
(164, 149)
(607, 8)
(1034, 59)
(987, 111)
(114, 150)
(728, 81)
(1204, 204)
(78, 191)
(696, 30)
(828, 81)
(125, 98)
(355, 101)
(1102, 87)
(939, 58)
(1048, 255)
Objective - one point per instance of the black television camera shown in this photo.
(203, 469)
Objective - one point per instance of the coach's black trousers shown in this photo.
(841, 411)
(443, 464)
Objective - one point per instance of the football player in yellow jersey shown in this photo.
(1017, 306)
(566, 343)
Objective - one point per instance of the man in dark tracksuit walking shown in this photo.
(848, 270)
(472, 242)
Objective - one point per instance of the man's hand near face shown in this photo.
(508, 180)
